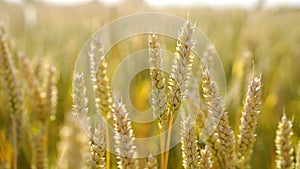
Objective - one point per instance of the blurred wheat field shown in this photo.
(268, 37)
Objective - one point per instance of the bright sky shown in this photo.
(215, 3)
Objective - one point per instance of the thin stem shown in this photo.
(15, 142)
(169, 139)
(162, 148)
(107, 149)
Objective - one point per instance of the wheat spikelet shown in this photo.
(246, 137)
(215, 105)
(283, 143)
(205, 161)
(124, 137)
(151, 163)
(298, 156)
(103, 93)
(97, 146)
(189, 144)
(159, 99)
(15, 103)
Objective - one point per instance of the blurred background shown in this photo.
(263, 32)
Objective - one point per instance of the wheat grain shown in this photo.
(283, 143)
(189, 144)
(124, 137)
(246, 137)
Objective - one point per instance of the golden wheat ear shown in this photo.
(283, 144)
(158, 97)
(15, 102)
(221, 142)
(246, 137)
(124, 137)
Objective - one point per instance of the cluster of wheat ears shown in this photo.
(222, 149)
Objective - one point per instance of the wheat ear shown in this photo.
(15, 105)
(246, 137)
(159, 99)
(215, 105)
(283, 143)
(189, 144)
(151, 163)
(102, 88)
(51, 90)
(124, 137)
(80, 100)
(181, 69)
(205, 158)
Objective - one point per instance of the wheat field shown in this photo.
(259, 126)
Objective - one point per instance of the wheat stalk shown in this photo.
(15, 103)
(124, 137)
(246, 137)
(151, 163)
(189, 144)
(215, 105)
(283, 143)
(205, 158)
